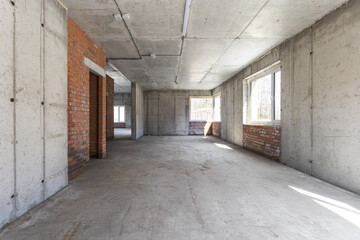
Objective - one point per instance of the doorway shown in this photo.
(122, 115)
(94, 114)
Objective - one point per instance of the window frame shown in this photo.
(118, 106)
(271, 70)
(215, 96)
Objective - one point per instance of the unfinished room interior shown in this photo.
(180, 119)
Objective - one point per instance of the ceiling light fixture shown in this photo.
(176, 80)
(186, 17)
(126, 16)
(117, 17)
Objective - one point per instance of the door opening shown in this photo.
(93, 114)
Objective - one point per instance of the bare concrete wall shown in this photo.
(231, 109)
(137, 111)
(320, 131)
(33, 99)
(125, 100)
(167, 112)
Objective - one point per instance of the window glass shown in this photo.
(116, 114)
(278, 95)
(260, 94)
(122, 114)
(201, 109)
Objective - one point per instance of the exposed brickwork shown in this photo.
(264, 140)
(199, 128)
(109, 107)
(120, 125)
(216, 129)
(80, 45)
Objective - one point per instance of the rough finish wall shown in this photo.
(231, 109)
(137, 113)
(124, 99)
(321, 131)
(109, 107)
(33, 98)
(320, 134)
(167, 112)
(80, 45)
(264, 140)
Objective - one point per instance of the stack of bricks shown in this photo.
(109, 108)
(264, 140)
(80, 45)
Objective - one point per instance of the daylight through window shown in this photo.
(119, 114)
(205, 108)
(265, 98)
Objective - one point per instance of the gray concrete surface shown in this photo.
(33, 70)
(121, 83)
(320, 134)
(137, 111)
(167, 112)
(122, 133)
(237, 32)
(184, 187)
(124, 99)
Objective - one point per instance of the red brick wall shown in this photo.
(80, 45)
(216, 129)
(199, 128)
(264, 140)
(109, 107)
(120, 125)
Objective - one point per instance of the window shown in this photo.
(201, 108)
(217, 108)
(119, 113)
(205, 108)
(265, 97)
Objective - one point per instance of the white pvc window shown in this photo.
(119, 113)
(265, 98)
(217, 108)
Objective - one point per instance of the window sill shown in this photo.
(263, 124)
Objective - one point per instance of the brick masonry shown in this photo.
(216, 129)
(80, 45)
(264, 140)
(109, 108)
(199, 128)
(120, 125)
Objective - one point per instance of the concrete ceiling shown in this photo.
(121, 83)
(222, 36)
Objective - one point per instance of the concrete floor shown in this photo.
(122, 133)
(191, 188)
